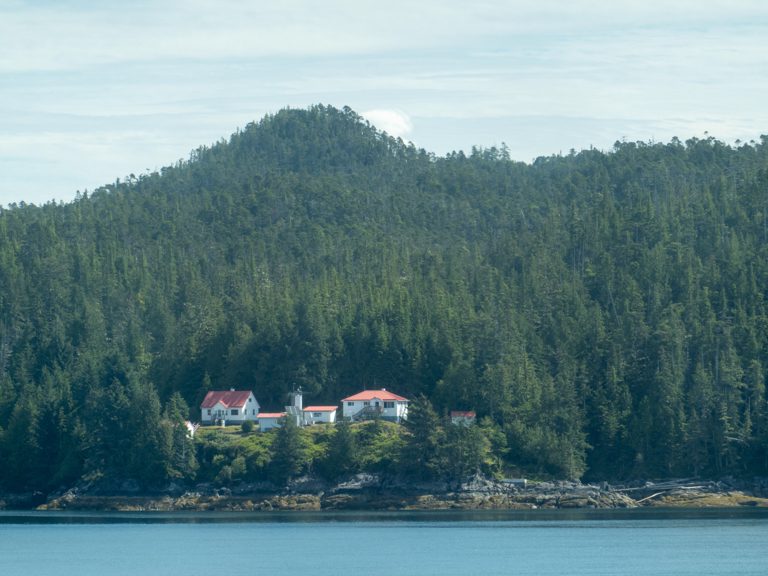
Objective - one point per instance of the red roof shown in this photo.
(320, 408)
(371, 394)
(463, 414)
(229, 398)
(271, 415)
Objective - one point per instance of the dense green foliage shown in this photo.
(605, 311)
(333, 452)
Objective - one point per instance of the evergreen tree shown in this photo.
(289, 452)
(466, 451)
(183, 462)
(342, 457)
(423, 456)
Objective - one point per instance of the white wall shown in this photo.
(349, 409)
(462, 420)
(397, 412)
(269, 423)
(251, 408)
(249, 412)
(218, 411)
(324, 417)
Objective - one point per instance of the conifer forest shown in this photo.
(604, 312)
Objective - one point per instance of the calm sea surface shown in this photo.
(540, 543)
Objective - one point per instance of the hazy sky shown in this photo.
(91, 91)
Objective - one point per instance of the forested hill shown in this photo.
(606, 310)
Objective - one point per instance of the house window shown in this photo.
(209, 412)
(250, 399)
(234, 412)
(254, 411)
(350, 403)
(389, 404)
(366, 403)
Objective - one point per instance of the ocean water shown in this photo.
(538, 543)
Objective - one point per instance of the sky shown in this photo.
(95, 90)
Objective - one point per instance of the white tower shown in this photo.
(296, 408)
(296, 399)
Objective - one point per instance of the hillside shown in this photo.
(607, 311)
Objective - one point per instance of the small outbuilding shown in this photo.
(463, 417)
(319, 415)
(269, 420)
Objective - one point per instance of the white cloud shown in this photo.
(394, 122)
(72, 35)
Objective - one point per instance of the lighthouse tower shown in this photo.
(295, 409)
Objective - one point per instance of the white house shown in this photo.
(319, 415)
(269, 420)
(463, 418)
(370, 404)
(229, 407)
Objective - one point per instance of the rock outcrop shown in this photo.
(372, 492)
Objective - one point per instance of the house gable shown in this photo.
(231, 406)
(370, 404)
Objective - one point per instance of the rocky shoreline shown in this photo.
(372, 493)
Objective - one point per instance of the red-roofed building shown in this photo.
(463, 417)
(229, 407)
(269, 420)
(370, 404)
(320, 415)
